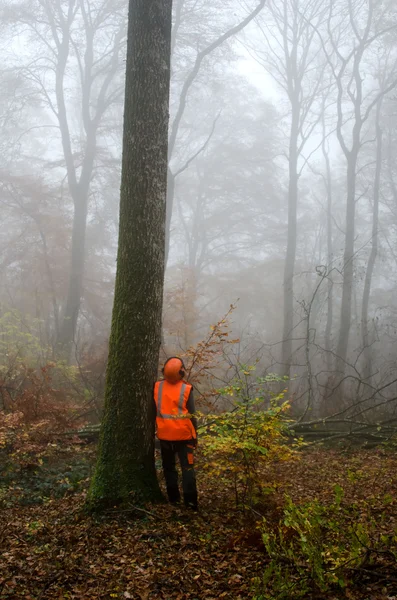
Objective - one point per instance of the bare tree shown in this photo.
(290, 53)
(374, 245)
(189, 80)
(86, 38)
(219, 199)
(351, 34)
(330, 249)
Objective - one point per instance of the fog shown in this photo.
(282, 191)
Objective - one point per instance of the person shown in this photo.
(177, 431)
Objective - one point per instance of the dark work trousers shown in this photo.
(185, 452)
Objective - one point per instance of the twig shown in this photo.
(382, 576)
(49, 584)
(133, 508)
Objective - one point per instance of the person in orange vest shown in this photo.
(177, 431)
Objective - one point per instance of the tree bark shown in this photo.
(374, 248)
(125, 467)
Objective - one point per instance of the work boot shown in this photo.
(174, 495)
(191, 501)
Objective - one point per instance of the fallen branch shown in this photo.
(133, 508)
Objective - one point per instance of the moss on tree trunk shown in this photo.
(125, 467)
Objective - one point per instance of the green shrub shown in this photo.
(239, 442)
(317, 548)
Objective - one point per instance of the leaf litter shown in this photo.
(56, 551)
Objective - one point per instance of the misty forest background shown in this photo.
(282, 191)
(280, 295)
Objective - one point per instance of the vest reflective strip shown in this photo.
(180, 404)
(159, 399)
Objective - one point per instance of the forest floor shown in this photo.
(51, 549)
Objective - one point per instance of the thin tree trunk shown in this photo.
(374, 248)
(330, 253)
(75, 286)
(189, 307)
(391, 167)
(125, 467)
(348, 265)
(170, 206)
(52, 288)
(289, 267)
(80, 194)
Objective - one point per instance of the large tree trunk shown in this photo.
(125, 463)
(374, 249)
(289, 266)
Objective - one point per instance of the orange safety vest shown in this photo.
(173, 420)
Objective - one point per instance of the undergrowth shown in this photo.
(317, 549)
(239, 442)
